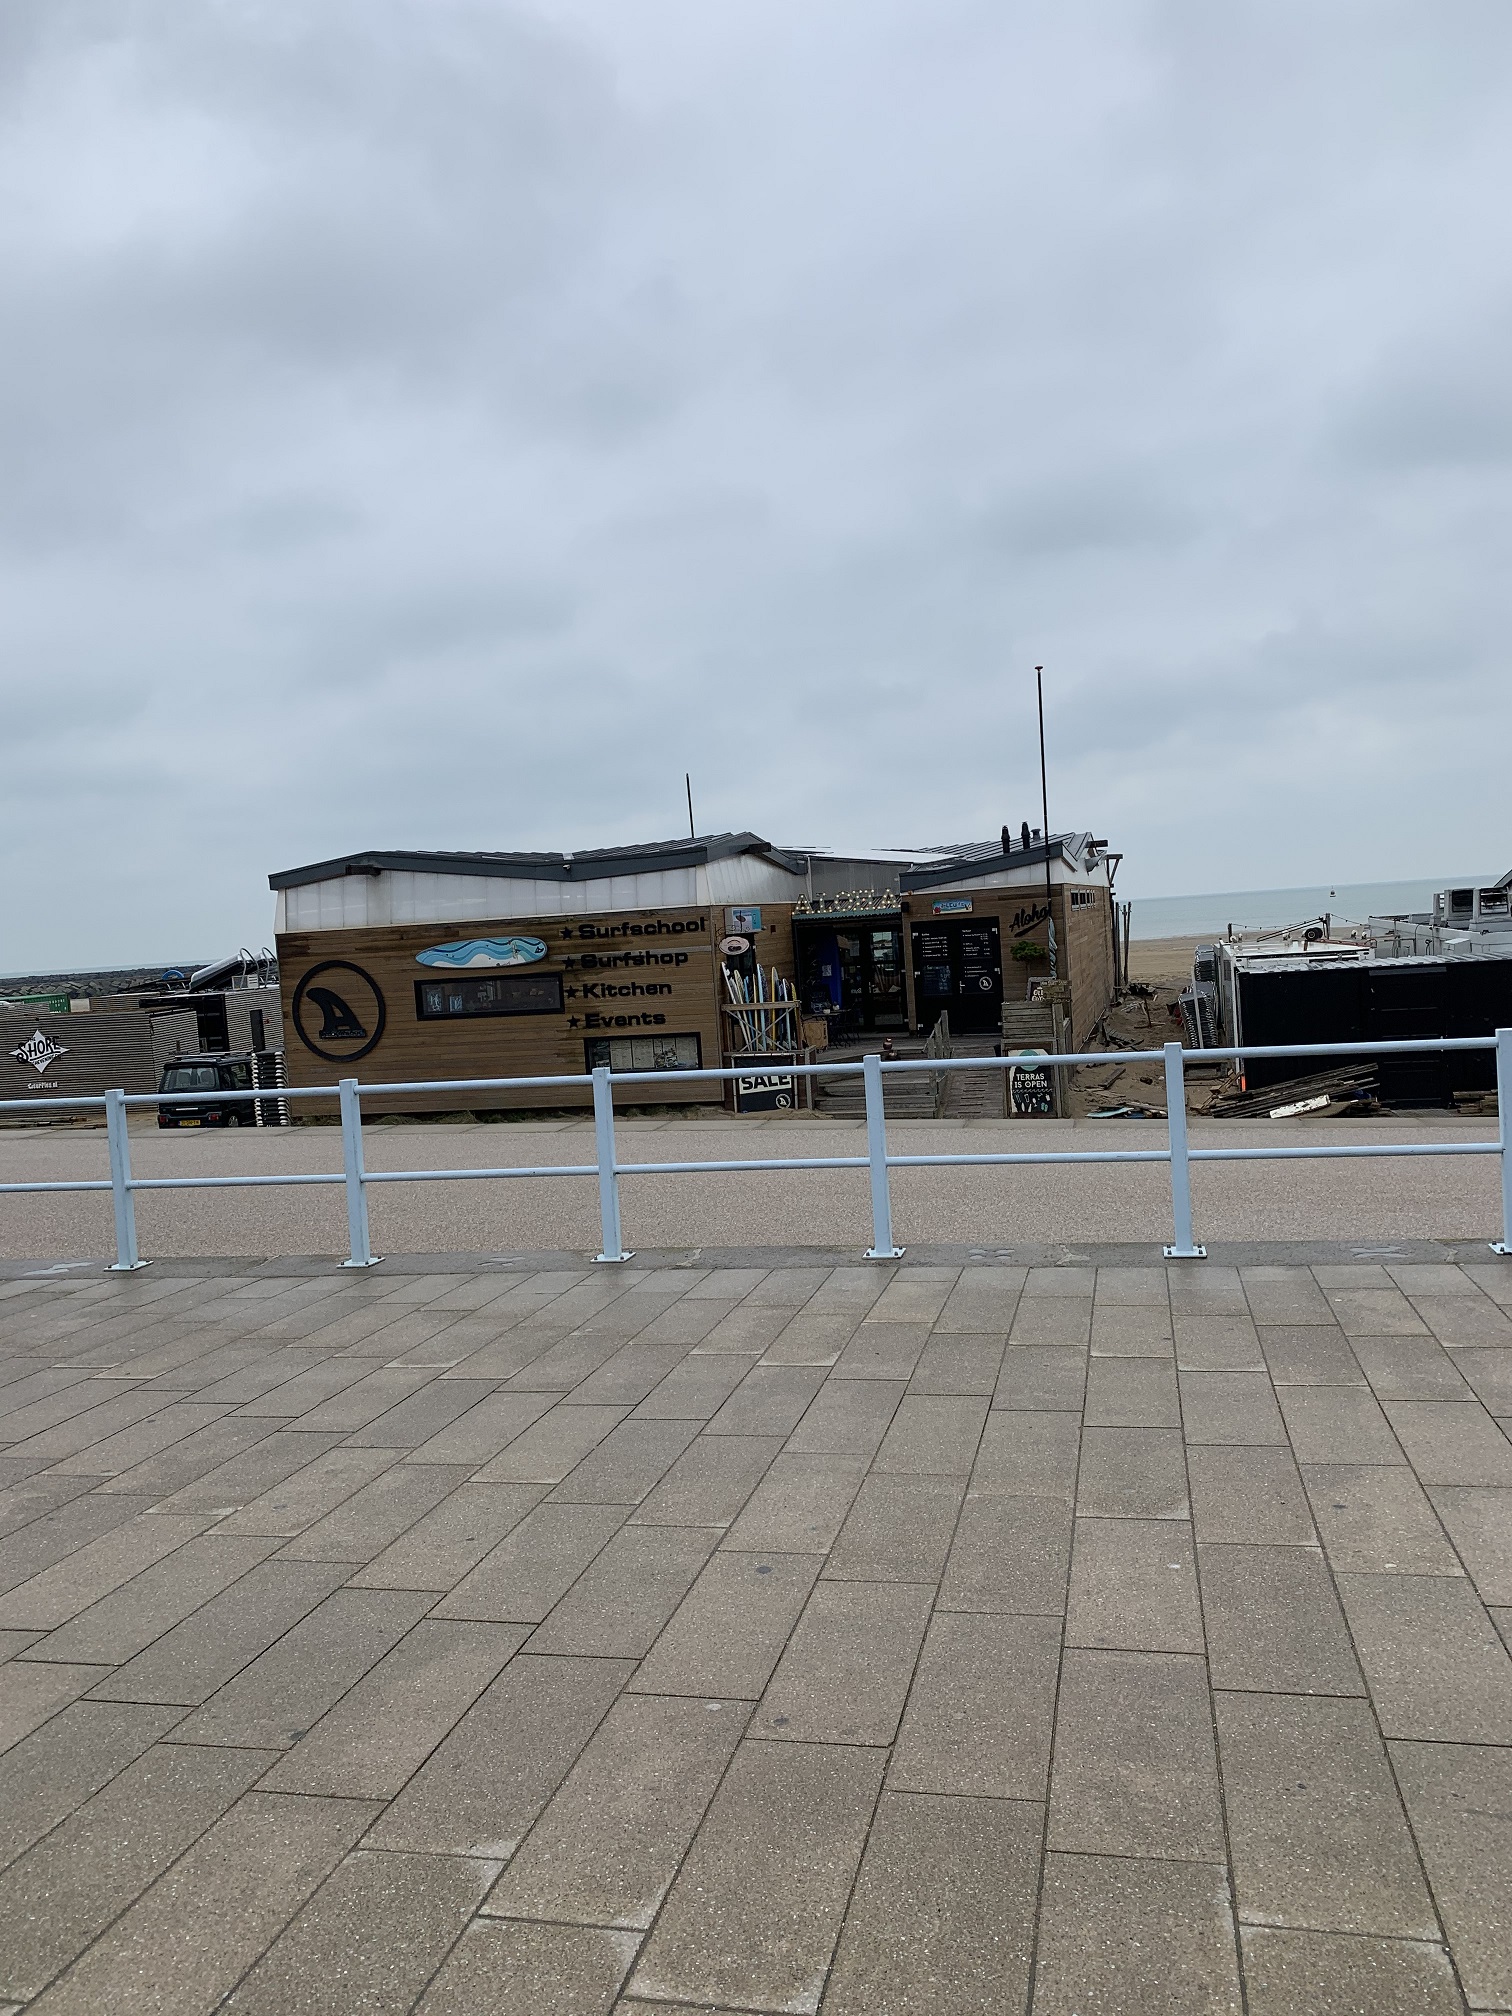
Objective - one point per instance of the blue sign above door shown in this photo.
(474, 952)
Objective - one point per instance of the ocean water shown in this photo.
(1263, 909)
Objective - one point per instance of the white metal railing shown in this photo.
(606, 1166)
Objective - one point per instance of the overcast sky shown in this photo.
(442, 423)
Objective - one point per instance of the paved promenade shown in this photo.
(895, 1641)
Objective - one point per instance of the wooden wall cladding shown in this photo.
(644, 973)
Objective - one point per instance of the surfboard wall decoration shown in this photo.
(475, 952)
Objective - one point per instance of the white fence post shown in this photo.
(882, 1247)
(127, 1258)
(356, 1179)
(1181, 1168)
(1504, 1131)
(613, 1246)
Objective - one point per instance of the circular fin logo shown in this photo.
(339, 1011)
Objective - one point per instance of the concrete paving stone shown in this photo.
(727, 1634)
(1284, 1295)
(746, 1331)
(942, 1919)
(12, 1642)
(1209, 1290)
(621, 1601)
(188, 1940)
(1077, 1282)
(534, 1565)
(423, 1415)
(1133, 1586)
(65, 1762)
(1479, 1523)
(1337, 1424)
(1487, 1371)
(710, 1481)
(53, 1535)
(1028, 1455)
(1133, 1287)
(481, 1788)
(1230, 1407)
(124, 1623)
(1132, 1393)
(1137, 1332)
(1493, 1278)
(770, 1400)
(283, 1693)
(1459, 1799)
(1119, 1936)
(787, 1287)
(189, 1662)
(1249, 1495)
(632, 1373)
(304, 1387)
(553, 1446)
(960, 1362)
(484, 1428)
(93, 1571)
(60, 1424)
(113, 1454)
(883, 1351)
(1316, 1829)
(606, 1848)
(213, 1368)
(694, 1390)
(1051, 1319)
(32, 1692)
(847, 1417)
(1452, 1442)
(503, 1968)
(1375, 1519)
(564, 1367)
(1308, 1354)
(628, 1464)
(63, 1893)
(1132, 1473)
(1464, 1319)
(304, 1496)
(1409, 1368)
(812, 1339)
(1437, 1667)
(361, 1527)
(367, 1745)
(915, 1294)
(32, 1497)
(752, 1918)
(1009, 1554)
(1041, 1376)
(932, 1435)
(368, 1940)
(846, 1670)
(1375, 1312)
(365, 1399)
(21, 1382)
(450, 1540)
(799, 1506)
(983, 1299)
(898, 1529)
(1321, 1974)
(206, 1449)
(1213, 1343)
(1273, 1622)
(980, 1711)
(492, 1356)
(1134, 1770)
(687, 1322)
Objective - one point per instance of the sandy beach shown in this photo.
(1162, 958)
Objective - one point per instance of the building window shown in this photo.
(500, 994)
(644, 1053)
(1083, 899)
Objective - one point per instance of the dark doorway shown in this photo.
(958, 970)
(850, 970)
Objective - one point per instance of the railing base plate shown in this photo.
(612, 1259)
(374, 1262)
(884, 1252)
(126, 1266)
(1184, 1252)
(1500, 1246)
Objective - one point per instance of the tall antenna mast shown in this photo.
(1039, 690)
(688, 780)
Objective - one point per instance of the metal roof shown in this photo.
(981, 857)
(595, 864)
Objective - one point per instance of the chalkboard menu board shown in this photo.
(1031, 1086)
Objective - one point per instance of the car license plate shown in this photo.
(188, 1123)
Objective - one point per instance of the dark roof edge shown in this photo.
(975, 866)
(596, 865)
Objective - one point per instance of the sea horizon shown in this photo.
(1266, 909)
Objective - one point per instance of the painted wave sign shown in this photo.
(473, 952)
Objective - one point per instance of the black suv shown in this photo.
(201, 1078)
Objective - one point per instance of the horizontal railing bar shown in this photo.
(98, 1183)
(225, 1182)
(783, 1162)
(460, 1175)
(1029, 1155)
(1344, 1150)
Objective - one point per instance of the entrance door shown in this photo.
(958, 969)
(852, 973)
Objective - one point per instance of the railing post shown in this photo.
(1504, 1131)
(882, 1247)
(613, 1247)
(356, 1181)
(1181, 1168)
(127, 1258)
